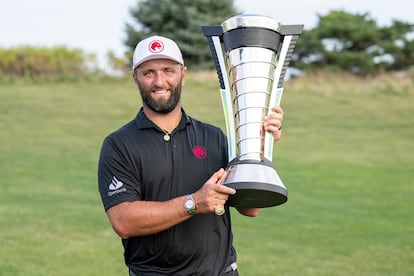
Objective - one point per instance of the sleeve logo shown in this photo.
(115, 184)
(116, 187)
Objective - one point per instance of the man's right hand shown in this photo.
(212, 193)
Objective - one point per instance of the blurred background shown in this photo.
(362, 37)
(346, 154)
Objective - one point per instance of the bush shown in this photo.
(45, 63)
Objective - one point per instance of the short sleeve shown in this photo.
(117, 180)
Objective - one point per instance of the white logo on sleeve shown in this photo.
(115, 187)
(115, 184)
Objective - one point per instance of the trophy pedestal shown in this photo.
(257, 186)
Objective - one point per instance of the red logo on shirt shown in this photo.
(200, 152)
(156, 46)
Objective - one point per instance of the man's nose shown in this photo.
(159, 80)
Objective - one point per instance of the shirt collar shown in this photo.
(142, 121)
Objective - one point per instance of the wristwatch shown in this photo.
(190, 205)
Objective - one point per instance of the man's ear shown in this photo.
(134, 76)
(184, 75)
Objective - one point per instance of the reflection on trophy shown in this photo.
(251, 55)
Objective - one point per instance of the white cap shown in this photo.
(156, 47)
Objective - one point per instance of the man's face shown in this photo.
(160, 82)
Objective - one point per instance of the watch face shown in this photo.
(189, 204)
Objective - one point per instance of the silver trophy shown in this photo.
(251, 55)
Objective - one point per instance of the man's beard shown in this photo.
(161, 106)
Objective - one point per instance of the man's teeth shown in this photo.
(160, 91)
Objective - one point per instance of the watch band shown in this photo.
(190, 205)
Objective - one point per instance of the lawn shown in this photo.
(346, 157)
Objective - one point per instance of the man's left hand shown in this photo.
(273, 122)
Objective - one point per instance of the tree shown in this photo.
(180, 20)
(396, 51)
(355, 43)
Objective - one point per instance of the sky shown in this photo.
(98, 26)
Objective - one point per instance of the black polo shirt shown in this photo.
(136, 163)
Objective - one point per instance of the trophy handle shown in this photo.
(275, 99)
(286, 51)
(213, 34)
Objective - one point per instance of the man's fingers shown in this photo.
(224, 190)
(217, 176)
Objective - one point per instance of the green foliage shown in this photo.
(180, 20)
(355, 43)
(340, 42)
(118, 64)
(397, 41)
(37, 62)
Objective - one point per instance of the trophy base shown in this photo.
(257, 186)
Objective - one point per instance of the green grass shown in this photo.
(346, 157)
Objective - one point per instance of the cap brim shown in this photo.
(155, 56)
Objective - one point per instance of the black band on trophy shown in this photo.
(261, 196)
(209, 32)
(263, 162)
(212, 30)
(251, 37)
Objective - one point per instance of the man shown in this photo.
(160, 176)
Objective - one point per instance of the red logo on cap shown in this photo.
(156, 46)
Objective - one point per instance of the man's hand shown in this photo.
(273, 122)
(212, 194)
